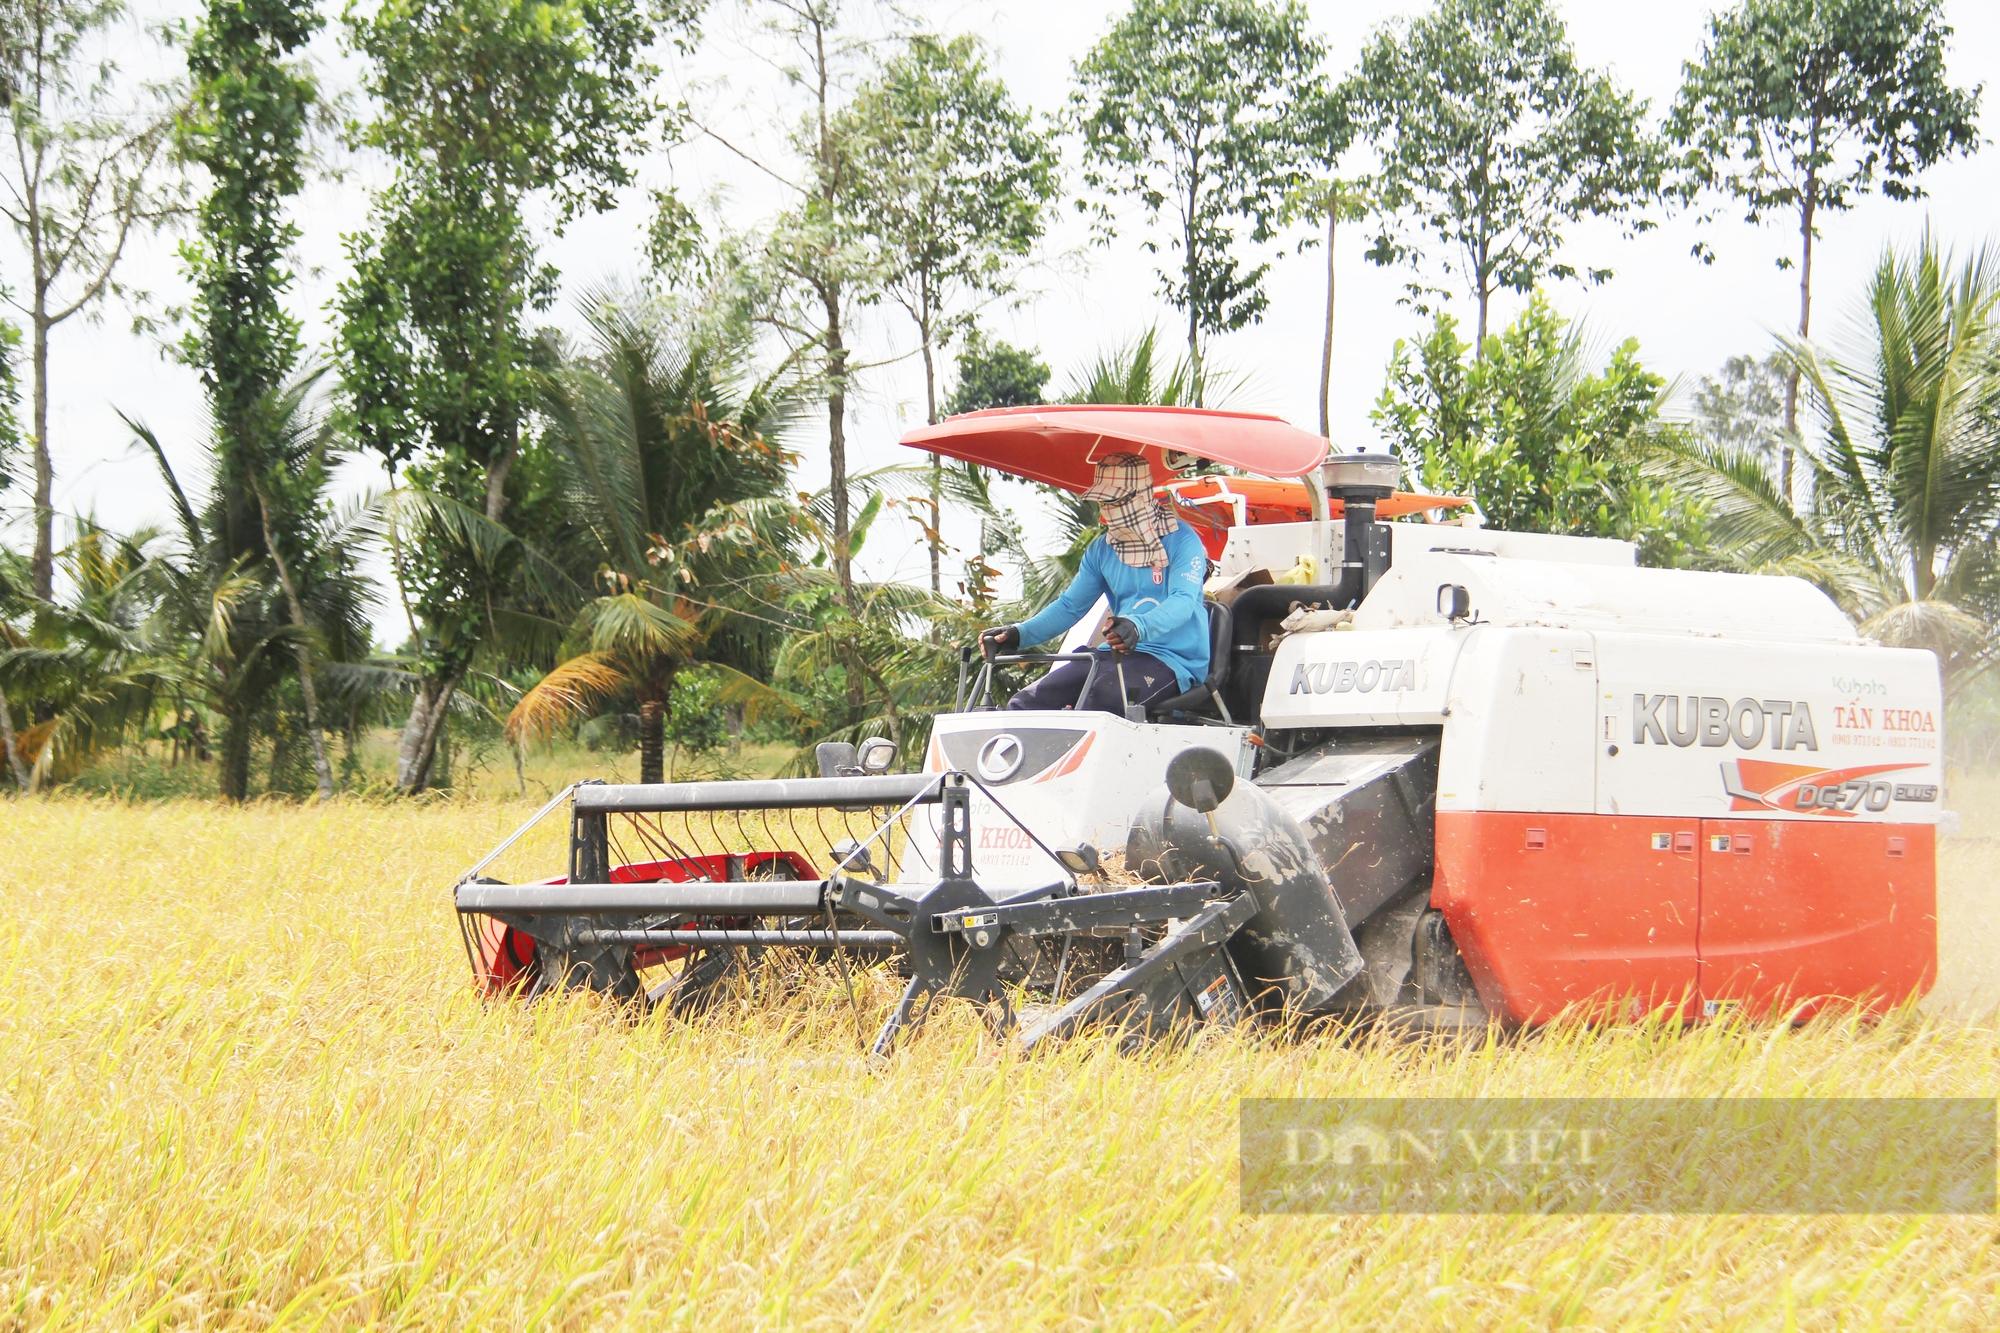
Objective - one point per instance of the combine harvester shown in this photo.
(1484, 777)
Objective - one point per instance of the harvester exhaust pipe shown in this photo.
(1359, 481)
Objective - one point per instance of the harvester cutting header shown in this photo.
(1424, 769)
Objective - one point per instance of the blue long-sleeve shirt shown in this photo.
(1173, 626)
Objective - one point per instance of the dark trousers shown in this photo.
(1147, 678)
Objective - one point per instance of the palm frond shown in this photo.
(567, 693)
(636, 629)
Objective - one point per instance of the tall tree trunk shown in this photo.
(836, 438)
(496, 476)
(233, 778)
(1326, 342)
(1195, 384)
(42, 566)
(15, 765)
(413, 734)
(1785, 446)
(937, 460)
(1479, 339)
(1188, 269)
(652, 740)
(301, 649)
(420, 746)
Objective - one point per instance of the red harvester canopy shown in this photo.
(1060, 445)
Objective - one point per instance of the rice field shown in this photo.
(246, 1084)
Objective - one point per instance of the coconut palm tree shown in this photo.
(1900, 521)
(86, 671)
(261, 587)
(674, 479)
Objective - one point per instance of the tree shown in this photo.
(1536, 439)
(992, 373)
(86, 175)
(1803, 106)
(246, 125)
(1200, 107)
(1136, 372)
(673, 476)
(90, 667)
(1743, 407)
(1900, 519)
(220, 595)
(1337, 201)
(959, 182)
(483, 106)
(10, 405)
(1330, 130)
(816, 267)
(1493, 138)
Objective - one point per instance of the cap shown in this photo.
(1120, 475)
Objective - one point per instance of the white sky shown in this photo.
(1080, 299)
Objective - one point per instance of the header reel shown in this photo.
(674, 890)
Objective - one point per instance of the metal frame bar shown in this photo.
(1208, 929)
(755, 897)
(1054, 916)
(888, 789)
(709, 935)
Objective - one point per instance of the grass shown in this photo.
(246, 1084)
(481, 770)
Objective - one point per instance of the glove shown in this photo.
(1121, 634)
(999, 639)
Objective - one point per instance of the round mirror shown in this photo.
(1200, 779)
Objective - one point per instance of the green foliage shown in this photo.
(1901, 519)
(245, 125)
(1137, 372)
(958, 182)
(1202, 109)
(485, 107)
(10, 403)
(219, 607)
(86, 176)
(1492, 139)
(992, 373)
(695, 718)
(1802, 105)
(1743, 407)
(84, 673)
(480, 104)
(806, 278)
(672, 476)
(515, 97)
(1534, 437)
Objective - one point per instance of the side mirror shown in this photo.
(1200, 779)
(835, 759)
(1454, 602)
(876, 754)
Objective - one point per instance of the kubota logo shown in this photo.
(1343, 677)
(1670, 719)
(1765, 784)
(1000, 758)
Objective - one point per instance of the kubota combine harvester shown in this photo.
(1476, 776)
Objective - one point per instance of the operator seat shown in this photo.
(1204, 697)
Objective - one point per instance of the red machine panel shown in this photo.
(1795, 912)
(1555, 910)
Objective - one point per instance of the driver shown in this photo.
(1148, 565)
